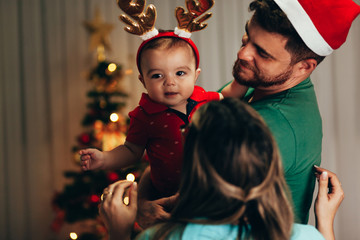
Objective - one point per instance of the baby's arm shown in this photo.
(121, 156)
(234, 89)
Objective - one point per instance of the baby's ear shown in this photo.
(142, 80)
(197, 73)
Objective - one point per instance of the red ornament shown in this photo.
(112, 176)
(94, 198)
(84, 138)
(58, 221)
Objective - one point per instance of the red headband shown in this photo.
(168, 34)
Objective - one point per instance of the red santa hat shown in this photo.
(322, 24)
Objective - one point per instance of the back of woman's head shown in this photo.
(232, 172)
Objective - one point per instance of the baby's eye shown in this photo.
(156, 75)
(180, 73)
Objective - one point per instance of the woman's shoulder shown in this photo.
(229, 232)
(303, 231)
(197, 231)
(202, 231)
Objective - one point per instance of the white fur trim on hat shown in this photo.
(304, 26)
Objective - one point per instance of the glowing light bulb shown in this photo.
(114, 117)
(112, 67)
(73, 235)
(130, 177)
(126, 200)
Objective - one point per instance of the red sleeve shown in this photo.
(213, 96)
(137, 132)
(200, 95)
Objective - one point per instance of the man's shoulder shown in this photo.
(290, 105)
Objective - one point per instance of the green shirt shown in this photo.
(294, 119)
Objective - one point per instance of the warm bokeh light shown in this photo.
(128, 71)
(112, 67)
(126, 200)
(114, 117)
(73, 235)
(130, 177)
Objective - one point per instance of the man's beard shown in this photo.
(259, 80)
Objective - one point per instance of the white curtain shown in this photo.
(44, 56)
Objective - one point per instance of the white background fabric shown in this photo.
(43, 60)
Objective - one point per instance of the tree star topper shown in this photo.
(99, 32)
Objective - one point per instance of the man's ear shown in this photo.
(306, 67)
(197, 73)
(142, 80)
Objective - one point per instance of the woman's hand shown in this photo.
(118, 216)
(328, 200)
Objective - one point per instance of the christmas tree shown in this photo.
(105, 128)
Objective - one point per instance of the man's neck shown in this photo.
(262, 92)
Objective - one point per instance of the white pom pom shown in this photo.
(182, 33)
(150, 34)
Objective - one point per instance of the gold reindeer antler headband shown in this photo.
(187, 22)
(143, 23)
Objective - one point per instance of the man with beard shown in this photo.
(284, 41)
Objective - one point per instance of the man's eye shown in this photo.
(263, 55)
(180, 73)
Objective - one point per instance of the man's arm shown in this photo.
(234, 89)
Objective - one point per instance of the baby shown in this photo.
(169, 67)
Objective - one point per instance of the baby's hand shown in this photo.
(91, 159)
